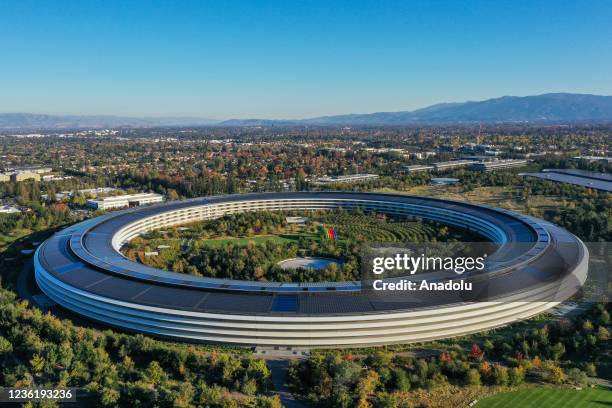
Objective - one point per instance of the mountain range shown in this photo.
(546, 108)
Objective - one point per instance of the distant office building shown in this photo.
(483, 149)
(55, 177)
(297, 220)
(444, 181)
(23, 176)
(386, 150)
(86, 192)
(418, 167)
(23, 173)
(98, 190)
(29, 169)
(448, 165)
(594, 159)
(346, 179)
(129, 200)
(7, 209)
(535, 154)
(478, 157)
(440, 166)
(498, 164)
(423, 155)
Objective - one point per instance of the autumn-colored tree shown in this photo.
(536, 362)
(366, 387)
(476, 353)
(445, 357)
(485, 369)
(553, 372)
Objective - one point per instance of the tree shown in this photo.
(386, 400)
(558, 350)
(552, 373)
(476, 353)
(172, 195)
(488, 346)
(367, 385)
(603, 334)
(108, 396)
(422, 370)
(78, 199)
(590, 370)
(249, 386)
(155, 373)
(516, 375)
(604, 318)
(402, 382)
(38, 363)
(536, 362)
(500, 375)
(472, 377)
(577, 376)
(268, 402)
(5, 346)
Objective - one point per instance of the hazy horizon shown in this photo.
(232, 117)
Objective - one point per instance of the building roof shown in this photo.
(582, 173)
(83, 256)
(594, 183)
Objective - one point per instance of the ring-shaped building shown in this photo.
(82, 269)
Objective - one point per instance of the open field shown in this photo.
(550, 398)
(504, 197)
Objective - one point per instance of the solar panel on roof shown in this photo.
(69, 267)
(283, 303)
(83, 277)
(118, 289)
(164, 296)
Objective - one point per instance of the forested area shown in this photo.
(39, 349)
(560, 352)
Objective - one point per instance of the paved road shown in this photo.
(279, 379)
(22, 282)
(601, 381)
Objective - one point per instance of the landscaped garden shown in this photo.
(249, 246)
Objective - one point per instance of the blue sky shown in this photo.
(294, 59)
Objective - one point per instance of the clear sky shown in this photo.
(294, 59)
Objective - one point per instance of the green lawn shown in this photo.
(550, 398)
(217, 242)
(6, 240)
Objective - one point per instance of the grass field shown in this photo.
(550, 398)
